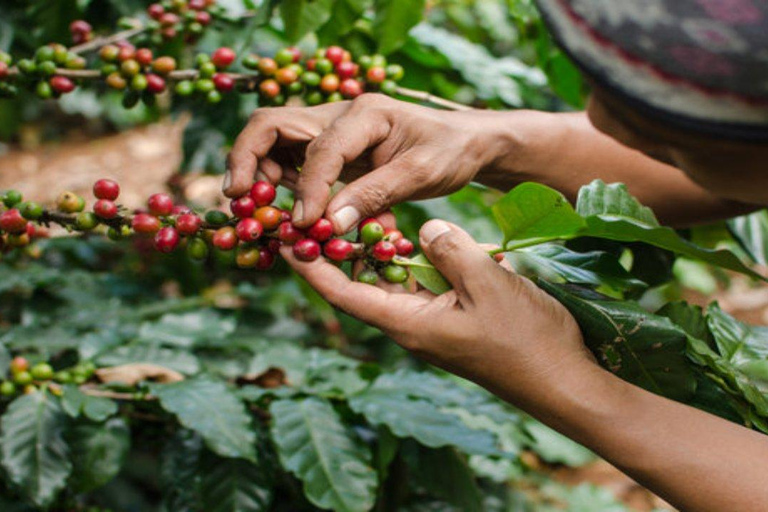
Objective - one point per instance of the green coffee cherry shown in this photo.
(395, 274)
(11, 198)
(7, 388)
(185, 88)
(42, 371)
(47, 68)
(197, 249)
(371, 233)
(44, 90)
(368, 276)
(31, 211)
(216, 218)
(86, 221)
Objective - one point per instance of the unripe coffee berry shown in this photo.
(306, 249)
(284, 57)
(167, 239)
(242, 207)
(249, 230)
(7, 388)
(19, 364)
(12, 197)
(338, 249)
(269, 216)
(286, 76)
(23, 378)
(86, 221)
(384, 251)
(109, 53)
(216, 217)
(267, 66)
(371, 233)
(263, 193)
(116, 81)
(395, 274)
(376, 75)
(105, 209)
(160, 204)
(11, 221)
(321, 230)
(329, 84)
(197, 249)
(368, 276)
(31, 210)
(188, 224)
(106, 189)
(42, 371)
(404, 247)
(69, 202)
(164, 65)
(145, 224)
(225, 238)
(269, 88)
(247, 257)
(223, 57)
(130, 68)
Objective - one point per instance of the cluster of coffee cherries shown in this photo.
(136, 71)
(24, 377)
(181, 18)
(211, 81)
(42, 73)
(252, 233)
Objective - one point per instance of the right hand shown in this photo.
(388, 151)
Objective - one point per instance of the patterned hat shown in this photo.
(700, 65)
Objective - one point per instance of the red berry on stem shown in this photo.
(334, 54)
(329, 84)
(274, 245)
(392, 235)
(188, 224)
(204, 18)
(160, 204)
(144, 56)
(296, 53)
(249, 230)
(105, 209)
(225, 238)
(155, 83)
(376, 75)
(269, 216)
(285, 215)
(321, 230)
(338, 249)
(168, 19)
(62, 84)
(269, 88)
(263, 193)
(145, 224)
(181, 209)
(346, 70)
(266, 259)
(350, 88)
(223, 57)
(80, 27)
(13, 222)
(155, 11)
(106, 189)
(167, 239)
(3, 70)
(126, 53)
(384, 251)
(306, 249)
(223, 82)
(286, 76)
(310, 64)
(242, 207)
(196, 5)
(404, 247)
(288, 233)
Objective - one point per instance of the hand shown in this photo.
(495, 327)
(413, 152)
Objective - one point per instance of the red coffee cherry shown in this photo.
(404, 247)
(288, 233)
(384, 251)
(196, 5)
(188, 224)
(204, 18)
(155, 83)
(321, 230)
(285, 215)
(269, 88)
(144, 56)
(329, 84)
(12, 221)
(126, 52)
(269, 216)
(334, 54)
(105, 209)
(338, 249)
(3, 70)
(376, 75)
(346, 70)
(286, 76)
(267, 66)
(167, 239)
(392, 235)
(225, 238)
(168, 19)
(164, 65)
(155, 11)
(242, 207)
(249, 230)
(223, 82)
(223, 57)
(266, 259)
(306, 249)
(80, 26)
(160, 204)
(106, 189)
(145, 224)
(350, 88)
(180, 209)
(62, 84)
(274, 245)
(263, 193)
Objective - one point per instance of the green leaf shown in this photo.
(34, 452)
(555, 448)
(531, 213)
(175, 359)
(5, 360)
(393, 401)
(342, 20)
(751, 231)
(690, 318)
(234, 485)
(301, 17)
(203, 327)
(645, 349)
(314, 444)
(393, 20)
(75, 402)
(444, 473)
(736, 341)
(599, 198)
(426, 274)
(180, 471)
(98, 452)
(211, 409)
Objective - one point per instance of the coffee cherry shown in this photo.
(324, 66)
(184, 88)
(26, 66)
(188, 224)
(130, 68)
(395, 274)
(306, 249)
(216, 218)
(168, 19)
(69, 202)
(379, 61)
(371, 233)
(404, 247)
(75, 62)
(62, 84)
(4, 70)
(42, 371)
(155, 11)
(155, 83)
(160, 204)
(350, 88)
(321, 230)
(223, 82)
(44, 90)
(204, 85)
(392, 235)
(19, 364)
(395, 72)
(368, 276)
(242, 207)
(80, 27)
(164, 65)
(203, 18)
(249, 230)
(144, 56)
(247, 257)
(223, 58)
(22, 378)
(284, 57)
(288, 233)
(86, 221)
(225, 238)
(11, 221)
(266, 259)
(126, 52)
(12, 197)
(63, 377)
(346, 70)
(105, 209)
(267, 66)
(167, 239)
(109, 53)
(274, 245)
(384, 251)
(376, 75)
(47, 68)
(335, 54)
(145, 224)
(269, 88)
(139, 82)
(314, 98)
(338, 249)
(388, 87)
(286, 76)
(30, 210)
(269, 217)
(311, 79)
(116, 81)
(7, 388)
(329, 84)
(197, 249)
(251, 62)
(44, 53)
(263, 193)
(106, 189)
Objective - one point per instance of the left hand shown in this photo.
(495, 327)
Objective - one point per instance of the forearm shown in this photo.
(694, 460)
(565, 151)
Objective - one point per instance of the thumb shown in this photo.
(461, 260)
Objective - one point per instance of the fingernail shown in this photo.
(346, 217)
(227, 181)
(298, 211)
(260, 176)
(432, 230)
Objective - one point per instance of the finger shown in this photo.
(269, 170)
(344, 141)
(499, 257)
(461, 260)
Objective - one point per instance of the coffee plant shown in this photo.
(164, 358)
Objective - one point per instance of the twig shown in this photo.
(98, 42)
(429, 98)
(115, 395)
